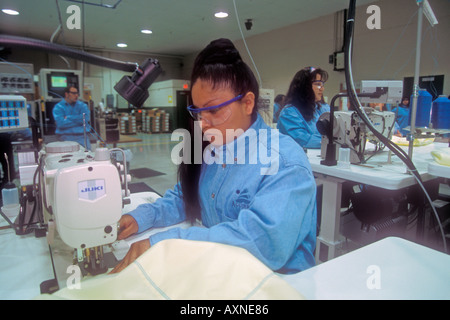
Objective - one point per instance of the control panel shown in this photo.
(13, 113)
(16, 82)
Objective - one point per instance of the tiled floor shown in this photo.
(153, 153)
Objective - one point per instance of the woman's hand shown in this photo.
(127, 227)
(136, 249)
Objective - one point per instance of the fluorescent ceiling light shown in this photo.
(122, 45)
(221, 14)
(146, 31)
(10, 12)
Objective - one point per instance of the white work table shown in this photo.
(24, 264)
(26, 261)
(439, 170)
(391, 269)
(378, 172)
(405, 270)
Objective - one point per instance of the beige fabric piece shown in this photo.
(442, 157)
(185, 269)
(402, 141)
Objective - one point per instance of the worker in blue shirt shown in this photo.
(277, 106)
(304, 105)
(70, 115)
(240, 198)
(401, 117)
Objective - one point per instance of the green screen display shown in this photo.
(59, 81)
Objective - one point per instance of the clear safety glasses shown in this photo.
(319, 84)
(214, 115)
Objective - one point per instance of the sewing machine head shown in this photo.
(82, 193)
(350, 130)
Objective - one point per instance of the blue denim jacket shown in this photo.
(69, 119)
(271, 213)
(292, 123)
(69, 122)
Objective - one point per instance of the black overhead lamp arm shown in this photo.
(134, 89)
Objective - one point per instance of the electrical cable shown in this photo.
(441, 228)
(245, 43)
(58, 9)
(395, 44)
(60, 30)
(359, 110)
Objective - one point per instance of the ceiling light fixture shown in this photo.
(11, 12)
(98, 3)
(122, 45)
(221, 15)
(146, 31)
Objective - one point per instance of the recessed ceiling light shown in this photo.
(146, 31)
(10, 12)
(122, 45)
(221, 14)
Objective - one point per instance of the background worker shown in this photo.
(70, 114)
(304, 105)
(401, 117)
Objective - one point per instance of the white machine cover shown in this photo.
(189, 270)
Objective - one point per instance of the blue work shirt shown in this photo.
(268, 209)
(305, 133)
(69, 121)
(276, 109)
(402, 118)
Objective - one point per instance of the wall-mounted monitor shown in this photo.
(53, 82)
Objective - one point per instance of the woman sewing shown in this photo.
(271, 213)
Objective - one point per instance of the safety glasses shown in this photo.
(213, 115)
(318, 84)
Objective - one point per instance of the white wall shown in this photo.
(386, 54)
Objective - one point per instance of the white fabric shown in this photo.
(184, 269)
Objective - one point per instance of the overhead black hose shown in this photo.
(353, 95)
(30, 43)
(358, 108)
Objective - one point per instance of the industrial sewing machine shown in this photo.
(349, 130)
(83, 198)
(375, 212)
